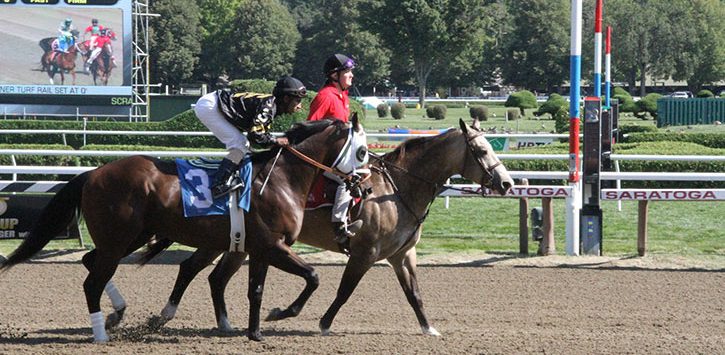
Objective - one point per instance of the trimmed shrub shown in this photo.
(647, 105)
(522, 99)
(710, 140)
(437, 112)
(252, 85)
(628, 129)
(561, 120)
(383, 110)
(705, 93)
(512, 114)
(479, 112)
(397, 110)
(626, 103)
(554, 104)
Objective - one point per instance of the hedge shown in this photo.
(641, 148)
(712, 140)
(185, 121)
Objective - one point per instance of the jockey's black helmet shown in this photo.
(289, 86)
(337, 62)
(94, 21)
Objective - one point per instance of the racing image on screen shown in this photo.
(41, 44)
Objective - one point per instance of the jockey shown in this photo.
(95, 30)
(101, 41)
(65, 37)
(228, 114)
(333, 101)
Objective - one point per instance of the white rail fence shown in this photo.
(458, 190)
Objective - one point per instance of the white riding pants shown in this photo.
(94, 55)
(342, 200)
(207, 110)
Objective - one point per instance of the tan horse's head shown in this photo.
(482, 165)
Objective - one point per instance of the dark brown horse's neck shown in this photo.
(302, 174)
(425, 168)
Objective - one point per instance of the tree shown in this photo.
(217, 18)
(429, 32)
(703, 52)
(175, 40)
(331, 27)
(262, 40)
(536, 54)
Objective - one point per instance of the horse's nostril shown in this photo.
(507, 185)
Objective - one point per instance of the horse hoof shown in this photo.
(224, 326)
(115, 318)
(254, 336)
(274, 314)
(325, 331)
(156, 322)
(431, 331)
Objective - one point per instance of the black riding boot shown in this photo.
(343, 235)
(223, 179)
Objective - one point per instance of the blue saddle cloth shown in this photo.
(195, 178)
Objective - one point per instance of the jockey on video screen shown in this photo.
(103, 39)
(94, 30)
(65, 37)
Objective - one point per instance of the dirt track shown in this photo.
(499, 309)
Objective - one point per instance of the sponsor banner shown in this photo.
(459, 190)
(19, 213)
(528, 142)
(664, 194)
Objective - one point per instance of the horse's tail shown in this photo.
(153, 248)
(45, 44)
(53, 219)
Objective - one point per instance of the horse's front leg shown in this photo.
(404, 265)
(218, 280)
(361, 260)
(286, 260)
(73, 75)
(257, 274)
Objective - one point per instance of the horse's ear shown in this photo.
(464, 127)
(355, 122)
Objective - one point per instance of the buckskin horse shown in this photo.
(404, 184)
(129, 200)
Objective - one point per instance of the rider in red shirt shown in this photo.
(332, 102)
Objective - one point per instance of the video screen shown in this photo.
(56, 49)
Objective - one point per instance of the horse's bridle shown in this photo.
(488, 170)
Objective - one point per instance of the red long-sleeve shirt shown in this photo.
(330, 103)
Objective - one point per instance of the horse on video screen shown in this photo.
(102, 66)
(128, 201)
(404, 184)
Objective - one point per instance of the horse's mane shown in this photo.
(412, 145)
(303, 130)
(298, 133)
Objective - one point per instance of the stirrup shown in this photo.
(226, 188)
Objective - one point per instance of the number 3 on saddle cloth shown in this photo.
(195, 179)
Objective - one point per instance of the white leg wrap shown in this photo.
(98, 323)
(169, 311)
(431, 331)
(116, 299)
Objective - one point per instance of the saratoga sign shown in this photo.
(664, 194)
(515, 192)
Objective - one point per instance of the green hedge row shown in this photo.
(185, 121)
(640, 148)
(712, 140)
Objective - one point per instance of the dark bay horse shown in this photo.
(128, 201)
(101, 66)
(404, 184)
